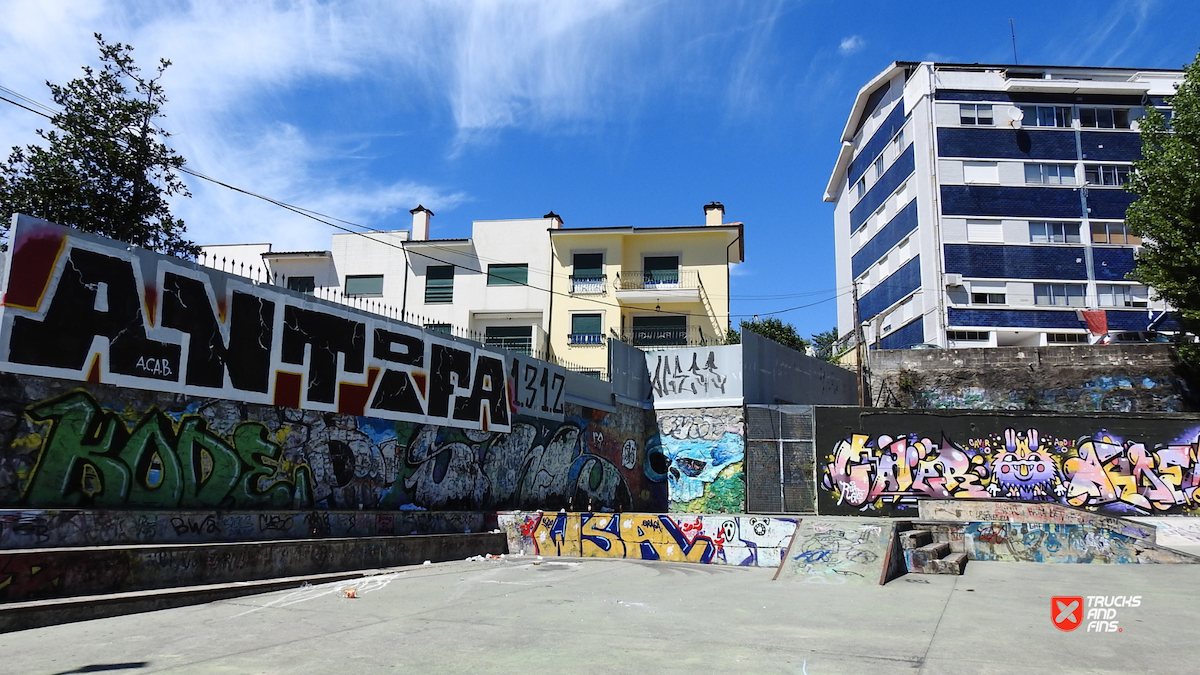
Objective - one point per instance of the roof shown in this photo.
(297, 254)
(736, 229)
(434, 242)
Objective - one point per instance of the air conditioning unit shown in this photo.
(953, 280)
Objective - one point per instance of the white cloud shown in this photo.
(851, 44)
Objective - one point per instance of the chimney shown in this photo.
(420, 228)
(714, 213)
(555, 220)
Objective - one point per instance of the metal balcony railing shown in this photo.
(591, 284)
(586, 338)
(517, 345)
(638, 280)
(691, 336)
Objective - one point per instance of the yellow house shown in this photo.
(649, 286)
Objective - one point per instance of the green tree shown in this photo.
(104, 168)
(774, 329)
(823, 344)
(1167, 212)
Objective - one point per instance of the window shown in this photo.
(860, 187)
(975, 114)
(968, 336)
(517, 339)
(1104, 118)
(659, 331)
(1066, 338)
(508, 275)
(1046, 116)
(1061, 295)
(901, 139)
(1050, 174)
(439, 284)
(987, 298)
(879, 167)
(588, 273)
(1054, 233)
(585, 329)
(306, 285)
(438, 327)
(1113, 233)
(364, 285)
(660, 270)
(981, 172)
(1115, 295)
(985, 231)
(1106, 174)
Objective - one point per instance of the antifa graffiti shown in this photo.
(1101, 472)
(84, 308)
(117, 448)
(537, 388)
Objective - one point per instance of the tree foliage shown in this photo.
(1167, 212)
(823, 344)
(104, 167)
(774, 329)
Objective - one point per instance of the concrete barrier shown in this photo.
(838, 551)
(64, 572)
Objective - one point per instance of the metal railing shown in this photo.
(585, 338)
(590, 284)
(690, 336)
(650, 280)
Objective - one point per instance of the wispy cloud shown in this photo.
(851, 45)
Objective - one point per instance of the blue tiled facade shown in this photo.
(1017, 202)
(899, 227)
(1111, 146)
(875, 145)
(1112, 264)
(912, 333)
(1109, 203)
(1006, 144)
(891, 290)
(896, 174)
(1015, 318)
(995, 261)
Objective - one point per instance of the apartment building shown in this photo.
(983, 205)
(648, 286)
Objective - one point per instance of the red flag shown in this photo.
(1097, 321)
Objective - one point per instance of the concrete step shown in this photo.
(954, 563)
(919, 558)
(915, 539)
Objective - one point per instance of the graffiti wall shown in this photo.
(699, 453)
(691, 376)
(63, 446)
(748, 541)
(88, 309)
(837, 551)
(883, 463)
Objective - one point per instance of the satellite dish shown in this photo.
(1015, 115)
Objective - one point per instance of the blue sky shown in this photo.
(605, 111)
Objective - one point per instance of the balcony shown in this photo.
(586, 338)
(592, 284)
(667, 336)
(658, 286)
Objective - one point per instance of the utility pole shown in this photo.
(858, 345)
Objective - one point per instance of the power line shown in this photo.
(330, 221)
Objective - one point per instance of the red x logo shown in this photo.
(1066, 611)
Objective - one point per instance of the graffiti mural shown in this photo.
(105, 447)
(1101, 470)
(747, 541)
(836, 551)
(692, 376)
(699, 453)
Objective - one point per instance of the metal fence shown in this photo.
(780, 459)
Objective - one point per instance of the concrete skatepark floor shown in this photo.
(628, 616)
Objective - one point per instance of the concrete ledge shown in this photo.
(34, 574)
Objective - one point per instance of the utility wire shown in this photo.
(330, 221)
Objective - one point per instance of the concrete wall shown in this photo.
(718, 539)
(773, 373)
(66, 572)
(884, 462)
(44, 528)
(66, 446)
(1086, 378)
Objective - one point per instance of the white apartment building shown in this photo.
(983, 205)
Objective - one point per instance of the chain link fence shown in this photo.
(780, 459)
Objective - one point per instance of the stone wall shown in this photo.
(1084, 378)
